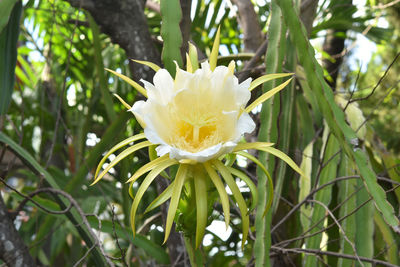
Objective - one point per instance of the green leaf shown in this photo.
(273, 61)
(27, 68)
(105, 93)
(264, 97)
(116, 147)
(8, 50)
(364, 240)
(226, 174)
(221, 191)
(266, 78)
(305, 185)
(176, 194)
(389, 238)
(330, 160)
(72, 215)
(332, 113)
(95, 153)
(152, 249)
(375, 190)
(171, 14)
(346, 189)
(214, 52)
(6, 6)
(120, 157)
(200, 186)
(145, 185)
(161, 198)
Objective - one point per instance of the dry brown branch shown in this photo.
(340, 228)
(383, 6)
(116, 238)
(298, 205)
(308, 10)
(314, 252)
(248, 21)
(304, 236)
(185, 26)
(153, 6)
(253, 61)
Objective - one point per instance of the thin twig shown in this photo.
(85, 255)
(29, 197)
(304, 236)
(329, 253)
(148, 220)
(74, 203)
(298, 205)
(354, 89)
(379, 82)
(61, 98)
(383, 6)
(340, 228)
(253, 61)
(375, 107)
(116, 237)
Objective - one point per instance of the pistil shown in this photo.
(196, 131)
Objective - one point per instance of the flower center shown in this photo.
(195, 133)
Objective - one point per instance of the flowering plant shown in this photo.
(197, 120)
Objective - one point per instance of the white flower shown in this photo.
(194, 119)
(198, 116)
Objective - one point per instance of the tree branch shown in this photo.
(55, 192)
(308, 10)
(185, 26)
(329, 253)
(125, 23)
(249, 23)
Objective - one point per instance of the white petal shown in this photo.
(162, 78)
(230, 146)
(158, 122)
(182, 80)
(228, 124)
(245, 124)
(242, 92)
(152, 136)
(138, 110)
(152, 92)
(163, 149)
(163, 87)
(205, 66)
(219, 74)
(201, 156)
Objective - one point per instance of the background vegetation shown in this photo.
(339, 122)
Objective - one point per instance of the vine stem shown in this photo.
(195, 255)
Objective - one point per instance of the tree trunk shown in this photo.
(13, 251)
(333, 46)
(125, 23)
